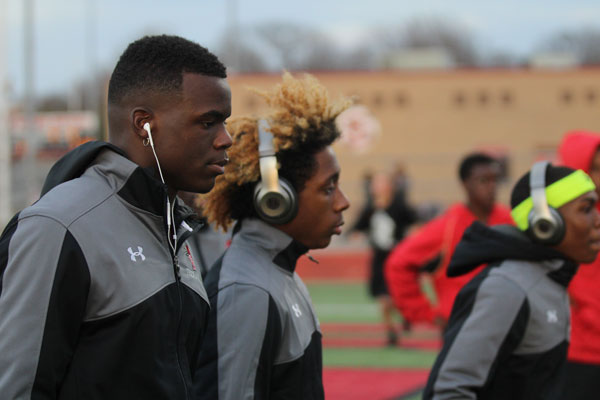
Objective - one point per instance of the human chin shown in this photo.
(322, 242)
(204, 185)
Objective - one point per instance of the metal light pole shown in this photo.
(90, 55)
(232, 30)
(29, 159)
(5, 145)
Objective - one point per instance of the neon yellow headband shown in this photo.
(558, 194)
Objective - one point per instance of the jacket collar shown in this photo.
(283, 250)
(483, 244)
(135, 185)
(564, 272)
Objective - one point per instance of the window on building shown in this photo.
(459, 99)
(566, 97)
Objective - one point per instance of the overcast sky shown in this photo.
(62, 26)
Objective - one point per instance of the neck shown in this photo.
(481, 213)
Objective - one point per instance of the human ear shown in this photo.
(139, 118)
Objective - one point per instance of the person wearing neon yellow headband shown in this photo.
(581, 150)
(508, 333)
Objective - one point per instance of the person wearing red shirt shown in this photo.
(581, 150)
(430, 248)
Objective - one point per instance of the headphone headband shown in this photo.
(537, 188)
(265, 140)
(269, 175)
(546, 225)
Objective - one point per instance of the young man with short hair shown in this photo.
(430, 248)
(100, 296)
(263, 339)
(508, 333)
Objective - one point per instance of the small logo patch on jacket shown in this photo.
(136, 254)
(551, 316)
(296, 309)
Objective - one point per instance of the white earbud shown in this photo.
(147, 129)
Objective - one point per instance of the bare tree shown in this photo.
(431, 32)
(284, 39)
(239, 56)
(301, 48)
(584, 43)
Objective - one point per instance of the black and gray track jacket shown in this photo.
(263, 340)
(508, 333)
(92, 305)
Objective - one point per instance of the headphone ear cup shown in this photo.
(547, 231)
(276, 207)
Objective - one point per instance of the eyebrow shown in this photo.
(589, 200)
(332, 178)
(213, 114)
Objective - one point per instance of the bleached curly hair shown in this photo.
(302, 121)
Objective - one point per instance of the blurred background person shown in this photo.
(580, 150)
(430, 248)
(384, 221)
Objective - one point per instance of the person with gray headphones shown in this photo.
(281, 189)
(508, 332)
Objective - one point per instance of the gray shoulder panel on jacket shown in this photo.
(34, 251)
(471, 355)
(242, 313)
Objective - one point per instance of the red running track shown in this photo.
(372, 384)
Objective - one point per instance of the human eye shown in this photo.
(329, 188)
(588, 207)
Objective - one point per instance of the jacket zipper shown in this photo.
(177, 273)
(180, 311)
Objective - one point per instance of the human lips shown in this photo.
(338, 228)
(218, 166)
(595, 244)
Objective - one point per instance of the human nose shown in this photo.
(342, 202)
(223, 139)
(596, 218)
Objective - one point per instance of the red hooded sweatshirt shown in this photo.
(430, 250)
(576, 151)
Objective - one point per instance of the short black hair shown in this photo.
(471, 161)
(522, 190)
(157, 63)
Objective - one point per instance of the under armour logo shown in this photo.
(296, 309)
(136, 254)
(551, 316)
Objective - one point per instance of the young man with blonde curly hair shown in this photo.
(263, 339)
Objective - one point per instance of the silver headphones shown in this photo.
(546, 225)
(275, 199)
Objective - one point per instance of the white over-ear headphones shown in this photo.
(275, 199)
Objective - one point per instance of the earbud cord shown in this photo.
(170, 213)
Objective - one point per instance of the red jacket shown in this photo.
(433, 245)
(576, 151)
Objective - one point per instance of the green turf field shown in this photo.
(344, 302)
(349, 303)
